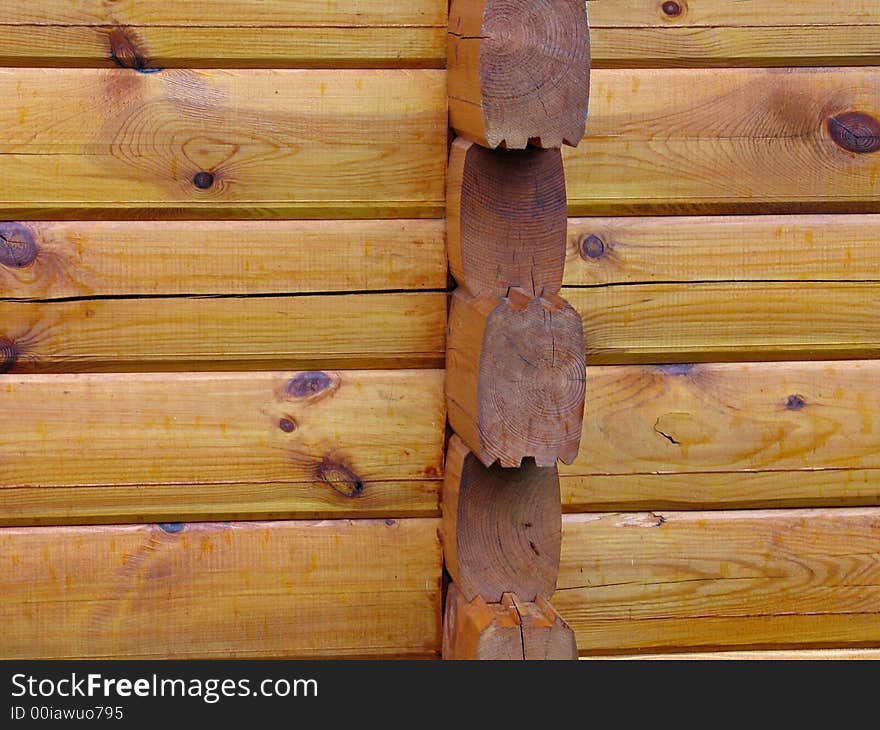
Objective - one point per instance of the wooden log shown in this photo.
(519, 71)
(502, 528)
(545, 635)
(226, 333)
(510, 630)
(336, 432)
(635, 33)
(701, 249)
(515, 385)
(191, 144)
(51, 260)
(362, 588)
(728, 321)
(477, 630)
(743, 580)
(506, 219)
(707, 141)
(229, 33)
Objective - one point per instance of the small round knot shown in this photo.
(172, 528)
(672, 9)
(287, 425)
(203, 180)
(855, 132)
(795, 402)
(308, 384)
(18, 249)
(592, 247)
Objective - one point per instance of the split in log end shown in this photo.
(519, 71)
(506, 219)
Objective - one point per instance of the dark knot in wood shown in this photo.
(125, 53)
(855, 132)
(8, 354)
(203, 180)
(172, 528)
(17, 246)
(795, 402)
(683, 368)
(341, 478)
(287, 425)
(592, 247)
(308, 384)
(672, 9)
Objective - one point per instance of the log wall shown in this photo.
(223, 312)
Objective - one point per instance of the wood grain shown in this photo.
(649, 582)
(771, 655)
(335, 432)
(693, 249)
(634, 33)
(728, 321)
(222, 590)
(227, 333)
(728, 435)
(132, 258)
(735, 141)
(99, 143)
(228, 33)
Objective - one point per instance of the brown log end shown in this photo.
(546, 636)
(529, 76)
(502, 528)
(478, 630)
(507, 219)
(516, 372)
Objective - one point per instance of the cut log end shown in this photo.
(510, 630)
(502, 528)
(526, 396)
(530, 76)
(507, 219)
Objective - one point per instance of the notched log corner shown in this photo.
(519, 71)
(507, 219)
(516, 377)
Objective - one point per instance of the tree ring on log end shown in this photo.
(506, 525)
(507, 219)
(533, 71)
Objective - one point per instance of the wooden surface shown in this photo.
(291, 444)
(86, 143)
(135, 258)
(766, 655)
(650, 582)
(502, 528)
(724, 141)
(519, 72)
(224, 333)
(229, 33)
(699, 249)
(728, 321)
(634, 33)
(222, 590)
(739, 435)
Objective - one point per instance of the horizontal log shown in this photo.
(110, 143)
(724, 321)
(634, 33)
(651, 582)
(227, 333)
(766, 655)
(693, 141)
(728, 435)
(228, 33)
(696, 249)
(222, 590)
(48, 260)
(314, 443)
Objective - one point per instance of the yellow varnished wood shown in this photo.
(651, 582)
(222, 590)
(115, 143)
